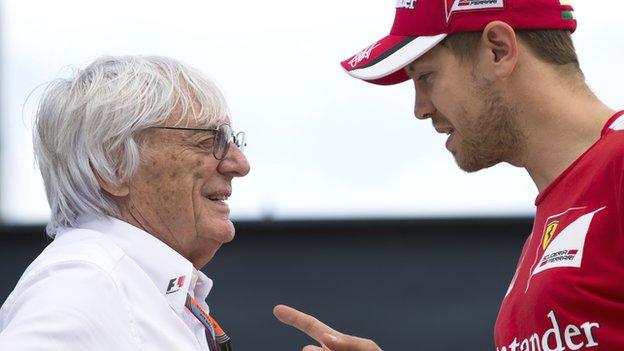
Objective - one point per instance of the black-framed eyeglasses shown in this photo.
(224, 136)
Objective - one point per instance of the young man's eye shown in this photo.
(423, 77)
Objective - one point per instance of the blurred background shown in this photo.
(353, 209)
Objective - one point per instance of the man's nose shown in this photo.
(235, 163)
(423, 108)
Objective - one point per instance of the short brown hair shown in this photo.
(551, 46)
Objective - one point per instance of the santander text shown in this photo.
(571, 337)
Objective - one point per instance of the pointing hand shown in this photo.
(329, 339)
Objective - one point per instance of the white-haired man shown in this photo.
(137, 157)
(501, 78)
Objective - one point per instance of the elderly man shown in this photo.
(137, 156)
(501, 78)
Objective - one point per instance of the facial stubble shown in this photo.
(494, 135)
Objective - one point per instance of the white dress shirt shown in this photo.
(106, 285)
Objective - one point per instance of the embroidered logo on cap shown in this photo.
(452, 6)
(362, 55)
(175, 284)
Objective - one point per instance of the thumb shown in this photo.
(342, 342)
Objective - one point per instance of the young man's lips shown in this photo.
(444, 129)
(448, 130)
(449, 139)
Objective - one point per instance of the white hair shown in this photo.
(90, 123)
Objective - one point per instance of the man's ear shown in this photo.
(501, 48)
(115, 190)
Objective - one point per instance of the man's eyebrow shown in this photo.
(410, 69)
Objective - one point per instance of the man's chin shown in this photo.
(473, 164)
(469, 168)
(221, 231)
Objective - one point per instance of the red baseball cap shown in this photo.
(419, 25)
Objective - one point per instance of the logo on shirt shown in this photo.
(175, 284)
(405, 4)
(453, 6)
(563, 239)
(557, 338)
(549, 233)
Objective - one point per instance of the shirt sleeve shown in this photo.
(67, 306)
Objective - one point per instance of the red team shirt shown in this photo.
(568, 290)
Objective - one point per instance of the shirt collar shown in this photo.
(171, 272)
(616, 122)
(200, 285)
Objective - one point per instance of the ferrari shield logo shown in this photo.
(549, 232)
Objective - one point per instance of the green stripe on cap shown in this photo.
(567, 15)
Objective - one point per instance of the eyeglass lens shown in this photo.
(223, 138)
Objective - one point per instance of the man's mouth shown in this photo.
(448, 130)
(220, 196)
(444, 130)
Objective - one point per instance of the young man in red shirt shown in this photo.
(502, 79)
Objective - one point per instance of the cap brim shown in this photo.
(383, 62)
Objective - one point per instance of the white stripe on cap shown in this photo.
(398, 59)
(618, 124)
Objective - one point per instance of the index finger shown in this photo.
(304, 322)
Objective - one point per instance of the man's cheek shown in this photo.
(198, 171)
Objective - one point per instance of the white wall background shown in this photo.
(321, 145)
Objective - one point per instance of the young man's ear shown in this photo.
(501, 48)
